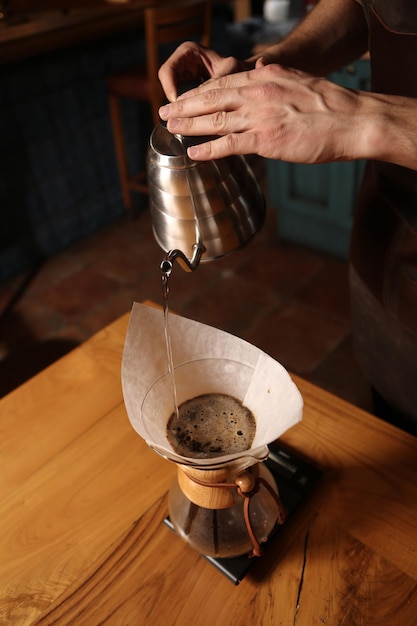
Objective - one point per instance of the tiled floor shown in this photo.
(288, 300)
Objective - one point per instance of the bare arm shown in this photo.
(280, 112)
(333, 34)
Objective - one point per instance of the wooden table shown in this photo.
(83, 500)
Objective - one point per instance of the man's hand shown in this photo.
(272, 111)
(192, 62)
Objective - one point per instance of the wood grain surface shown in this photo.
(83, 500)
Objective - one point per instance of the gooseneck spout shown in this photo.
(189, 265)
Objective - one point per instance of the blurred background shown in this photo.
(72, 259)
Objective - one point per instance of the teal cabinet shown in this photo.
(315, 203)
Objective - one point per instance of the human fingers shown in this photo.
(204, 113)
(232, 143)
(218, 67)
(223, 80)
(192, 62)
(207, 98)
(232, 115)
(184, 64)
(206, 109)
(260, 62)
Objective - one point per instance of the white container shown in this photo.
(276, 10)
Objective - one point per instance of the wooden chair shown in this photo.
(169, 23)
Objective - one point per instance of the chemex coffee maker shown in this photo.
(200, 210)
(228, 497)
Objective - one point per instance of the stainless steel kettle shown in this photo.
(200, 210)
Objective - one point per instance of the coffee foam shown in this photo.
(211, 425)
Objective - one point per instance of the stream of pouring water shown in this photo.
(166, 269)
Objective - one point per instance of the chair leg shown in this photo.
(119, 143)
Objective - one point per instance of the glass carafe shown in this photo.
(226, 511)
(222, 506)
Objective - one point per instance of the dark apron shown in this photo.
(384, 236)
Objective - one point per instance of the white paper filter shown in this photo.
(206, 360)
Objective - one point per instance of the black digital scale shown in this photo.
(295, 478)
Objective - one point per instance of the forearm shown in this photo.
(388, 130)
(333, 34)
